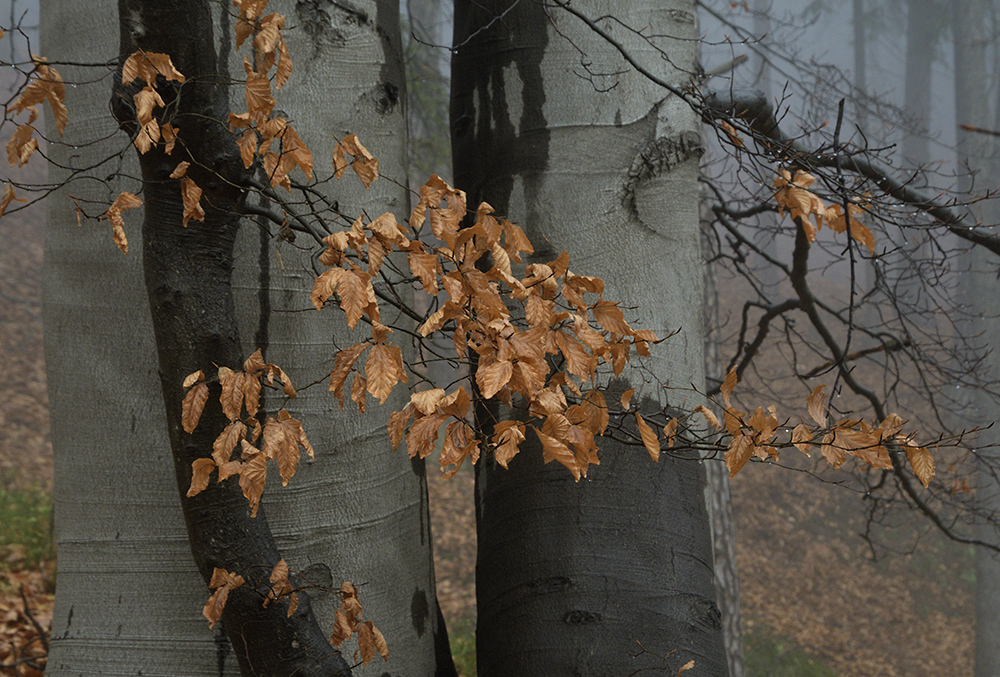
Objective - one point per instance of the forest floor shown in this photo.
(809, 585)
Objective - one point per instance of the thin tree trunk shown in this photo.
(975, 175)
(859, 21)
(923, 29)
(923, 25)
(572, 578)
(727, 580)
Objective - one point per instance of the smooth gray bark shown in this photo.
(128, 591)
(570, 576)
(129, 594)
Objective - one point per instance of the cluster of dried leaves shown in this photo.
(564, 406)
(754, 436)
(347, 621)
(45, 85)
(793, 195)
(279, 438)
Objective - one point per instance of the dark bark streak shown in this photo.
(188, 279)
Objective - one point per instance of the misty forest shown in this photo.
(397, 338)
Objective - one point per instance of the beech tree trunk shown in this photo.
(572, 577)
(977, 170)
(129, 594)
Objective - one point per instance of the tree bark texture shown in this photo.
(727, 580)
(358, 510)
(571, 578)
(361, 508)
(977, 170)
(129, 594)
(188, 274)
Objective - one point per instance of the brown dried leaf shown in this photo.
(226, 442)
(492, 377)
(626, 398)
(222, 582)
(426, 267)
(215, 604)
(114, 215)
(47, 86)
(922, 463)
(427, 401)
(815, 405)
(380, 644)
(191, 194)
(649, 439)
(578, 360)
(801, 438)
(192, 406)
(610, 316)
(253, 476)
(364, 164)
(353, 292)
(232, 392)
(169, 135)
(342, 368)
(326, 285)
(554, 450)
(366, 642)
(397, 425)
(728, 385)
(21, 146)
(709, 416)
(670, 432)
(9, 196)
(358, 391)
(201, 469)
(423, 434)
(229, 469)
(147, 65)
(382, 371)
(739, 452)
(507, 436)
(193, 378)
(180, 170)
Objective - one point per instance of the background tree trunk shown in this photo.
(977, 173)
(727, 579)
(570, 576)
(129, 594)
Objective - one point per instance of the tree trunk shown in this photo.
(859, 21)
(923, 30)
(572, 577)
(129, 593)
(359, 509)
(977, 173)
(727, 580)
(188, 279)
(923, 25)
